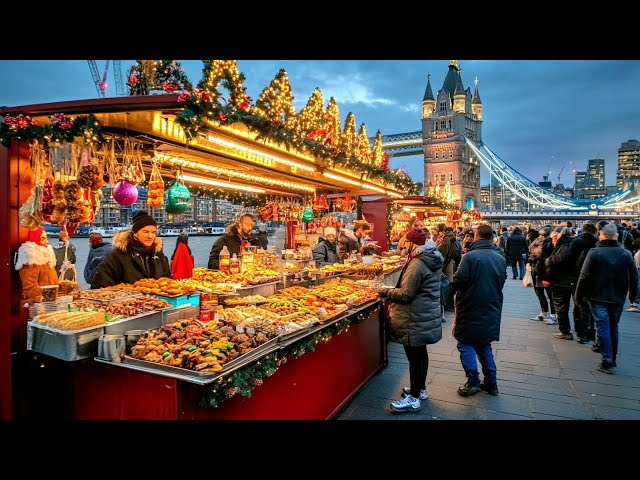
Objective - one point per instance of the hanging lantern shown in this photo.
(178, 196)
(307, 215)
(125, 193)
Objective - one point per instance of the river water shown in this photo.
(200, 247)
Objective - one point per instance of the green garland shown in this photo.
(244, 380)
(392, 210)
(61, 128)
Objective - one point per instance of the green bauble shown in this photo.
(177, 199)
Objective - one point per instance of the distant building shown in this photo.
(590, 184)
(447, 118)
(628, 165)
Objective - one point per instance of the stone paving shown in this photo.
(539, 377)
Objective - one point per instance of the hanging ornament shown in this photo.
(178, 196)
(125, 193)
(307, 215)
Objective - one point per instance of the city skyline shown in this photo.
(539, 116)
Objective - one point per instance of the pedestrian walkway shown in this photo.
(539, 377)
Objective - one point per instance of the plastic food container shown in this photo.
(49, 293)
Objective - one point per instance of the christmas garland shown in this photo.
(433, 201)
(244, 380)
(61, 128)
(201, 106)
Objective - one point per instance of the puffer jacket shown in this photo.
(121, 265)
(561, 266)
(325, 253)
(36, 265)
(415, 313)
(478, 283)
(233, 241)
(96, 255)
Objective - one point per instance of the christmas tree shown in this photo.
(276, 102)
(348, 140)
(148, 75)
(377, 152)
(333, 123)
(364, 147)
(225, 72)
(312, 118)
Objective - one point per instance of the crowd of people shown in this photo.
(595, 267)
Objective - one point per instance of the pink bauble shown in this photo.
(125, 193)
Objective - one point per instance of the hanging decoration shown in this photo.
(155, 196)
(178, 196)
(125, 193)
(307, 215)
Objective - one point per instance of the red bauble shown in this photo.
(125, 193)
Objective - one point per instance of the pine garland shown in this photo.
(61, 128)
(244, 380)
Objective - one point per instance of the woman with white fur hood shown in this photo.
(36, 265)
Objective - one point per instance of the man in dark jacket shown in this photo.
(561, 272)
(136, 254)
(578, 249)
(415, 317)
(608, 275)
(516, 250)
(478, 283)
(237, 234)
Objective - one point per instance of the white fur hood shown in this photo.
(30, 253)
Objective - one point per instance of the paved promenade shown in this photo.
(539, 377)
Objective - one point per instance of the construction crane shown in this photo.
(101, 82)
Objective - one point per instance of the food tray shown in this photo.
(264, 289)
(191, 375)
(171, 315)
(192, 299)
(287, 337)
(144, 321)
(112, 301)
(66, 345)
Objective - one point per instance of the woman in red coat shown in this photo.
(182, 260)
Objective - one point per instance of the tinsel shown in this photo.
(244, 380)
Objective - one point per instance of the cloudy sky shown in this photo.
(539, 116)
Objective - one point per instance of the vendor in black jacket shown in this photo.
(136, 254)
(237, 234)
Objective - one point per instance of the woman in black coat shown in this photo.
(415, 315)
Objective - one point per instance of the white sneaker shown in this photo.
(540, 316)
(406, 404)
(552, 320)
(407, 391)
(633, 308)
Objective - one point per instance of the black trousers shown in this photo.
(562, 302)
(582, 318)
(418, 366)
(540, 293)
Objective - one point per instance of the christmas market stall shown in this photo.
(244, 344)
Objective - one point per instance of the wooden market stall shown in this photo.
(221, 156)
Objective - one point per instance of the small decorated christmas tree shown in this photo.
(148, 75)
(377, 152)
(276, 102)
(334, 131)
(349, 141)
(225, 72)
(313, 119)
(364, 147)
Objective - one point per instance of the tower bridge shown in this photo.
(451, 141)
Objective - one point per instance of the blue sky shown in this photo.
(539, 115)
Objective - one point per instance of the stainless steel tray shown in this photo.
(66, 345)
(264, 289)
(288, 337)
(144, 321)
(191, 375)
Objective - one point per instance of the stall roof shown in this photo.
(227, 154)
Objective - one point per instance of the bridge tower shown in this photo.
(453, 114)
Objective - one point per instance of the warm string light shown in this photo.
(216, 183)
(253, 154)
(232, 173)
(349, 140)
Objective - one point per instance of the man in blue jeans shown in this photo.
(608, 275)
(478, 284)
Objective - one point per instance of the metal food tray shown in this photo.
(191, 375)
(295, 334)
(144, 321)
(264, 289)
(68, 345)
(112, 301)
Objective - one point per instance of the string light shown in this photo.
(216, 183)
